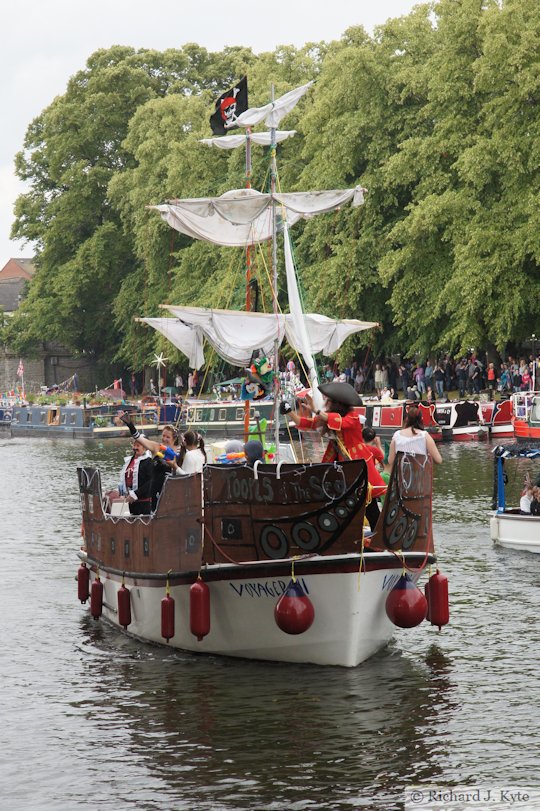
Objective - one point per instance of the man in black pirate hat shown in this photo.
(340, 419)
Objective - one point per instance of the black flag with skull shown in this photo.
(228, 107)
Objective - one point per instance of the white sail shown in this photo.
(244, 216)
(184, 338)
(297, 317)
(234, 141)
(273, 112)
(235, 335)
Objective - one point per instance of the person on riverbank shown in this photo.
(413, 439)
(339, 420)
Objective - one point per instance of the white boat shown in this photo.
(250, 536)
(269, 562)
(508, 526)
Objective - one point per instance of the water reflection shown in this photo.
(107, 722)
(245, 729)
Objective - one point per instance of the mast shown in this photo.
(273, 173)
(247, 403)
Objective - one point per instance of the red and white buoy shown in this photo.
(406, 606)
(124, 606)
(199, 609)
(294, 612)
(83, 583)
(167, 614)
(436, 589)
(96, 598)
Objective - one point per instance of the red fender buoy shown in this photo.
(83, 583)
(167, 617)
(124, 607)
(199, 609)
(406, 606)
(294, 612)
(436, 589)
(96, 598)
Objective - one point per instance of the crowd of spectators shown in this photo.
(437, 378)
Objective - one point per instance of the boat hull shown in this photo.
(515, 531)
(350, 622)
(523, 429)
(247, 532)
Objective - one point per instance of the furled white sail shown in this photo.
(244, 216)
(301, 337)
(273, 112)
(234, 141)
(184, 338)
(235, 335)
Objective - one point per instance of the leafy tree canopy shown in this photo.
(436, 115)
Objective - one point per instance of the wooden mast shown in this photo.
(247, 404)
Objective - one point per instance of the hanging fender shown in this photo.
(436, 590)
(96, 598)
(199, 609)
(124, 606)
(167, 617)
(406, 605)
(83, 583)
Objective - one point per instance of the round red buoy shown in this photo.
(124, 606)
(438, 612)
(83, 583)
(167, 617)
(294, 612)
(199, 609)
(406, 606)
(96, 598)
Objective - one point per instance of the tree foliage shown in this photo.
(437, 115)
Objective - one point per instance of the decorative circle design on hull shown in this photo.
(298, 533)
(268, 533)
(329, 522)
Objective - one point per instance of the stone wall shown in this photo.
(52, 365)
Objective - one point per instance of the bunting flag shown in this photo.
(20, 369)
(228, 107)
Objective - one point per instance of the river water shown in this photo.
(94, 720)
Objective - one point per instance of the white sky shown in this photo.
(44, 42)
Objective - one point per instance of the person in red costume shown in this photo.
(346, 441)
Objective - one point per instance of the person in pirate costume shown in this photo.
(135, 485)
(339, 419)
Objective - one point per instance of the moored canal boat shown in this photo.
(527, 415)
(77, 422)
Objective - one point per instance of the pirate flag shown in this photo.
(228, 108)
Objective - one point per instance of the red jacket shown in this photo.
(348, 430)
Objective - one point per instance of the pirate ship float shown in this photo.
(270, 561)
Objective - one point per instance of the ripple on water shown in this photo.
(107, 722)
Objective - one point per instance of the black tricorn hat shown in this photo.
(342, 393)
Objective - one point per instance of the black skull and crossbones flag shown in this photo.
(228, 107)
